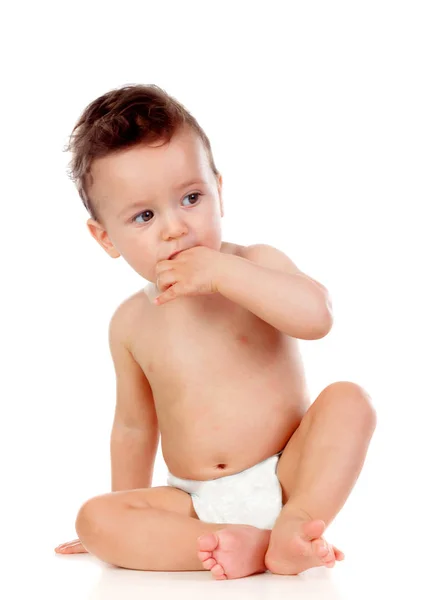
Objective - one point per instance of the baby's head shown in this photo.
(145, 172)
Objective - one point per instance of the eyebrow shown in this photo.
(139, 203)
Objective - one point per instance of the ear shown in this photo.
(99, 233)
(219, 186)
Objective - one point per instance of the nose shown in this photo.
(173, 227)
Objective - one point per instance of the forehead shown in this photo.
(148, 170)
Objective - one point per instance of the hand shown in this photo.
(74, 547)
(193, 272)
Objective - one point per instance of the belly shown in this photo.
(216, 426)
(220, 444)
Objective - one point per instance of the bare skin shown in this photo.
(187, 412)
(192, 391)
(239, 551)
(283, 391)
(226, 388)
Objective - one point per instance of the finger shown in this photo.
(160, 300)
(163, 266)
(338, 554)
(170, 294)
(165, 281)
(163, 287)
(77, 541)
(70, 548)
(77, 549)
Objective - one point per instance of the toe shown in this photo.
(329, 562)
(313, 529)
(323, 552)
(204, 556)
(209, 564)
(218, 572)
(338, 554)
(321, 548)
(207, 543)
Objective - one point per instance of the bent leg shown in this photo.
(324, 458)
(321, 463)
(126, 530)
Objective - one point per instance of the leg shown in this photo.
(319, 468)
(157, 529)
(152, 529)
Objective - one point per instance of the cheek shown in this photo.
(139, 254)
(212, 233)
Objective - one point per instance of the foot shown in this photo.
(234, 552)
(297, 545)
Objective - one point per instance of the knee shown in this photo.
(353, 399)
(91, 518)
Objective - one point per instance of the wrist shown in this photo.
(226, 266)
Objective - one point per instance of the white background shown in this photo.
(315, 113)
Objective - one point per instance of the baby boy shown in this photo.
(206, 358)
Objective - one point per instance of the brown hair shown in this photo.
(120, 119)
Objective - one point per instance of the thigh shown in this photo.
(331, 396)
(163, 497)
(288, 465)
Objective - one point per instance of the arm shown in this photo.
(135, 433)
(132, 460)
(268, 284)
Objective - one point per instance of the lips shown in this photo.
(178, 252)
(175, 253)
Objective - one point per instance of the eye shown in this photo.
(193, 194)
(197, 194)
(140, 214)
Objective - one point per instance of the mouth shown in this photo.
(175, 254)
(179, 251)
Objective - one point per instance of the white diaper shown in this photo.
(251, 497)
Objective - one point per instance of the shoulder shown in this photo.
(126, 315)
(264, 255)
(272, 258)
(269, 256)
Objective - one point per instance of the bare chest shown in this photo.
(229, 389)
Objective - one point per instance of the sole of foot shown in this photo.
(234, 552)
(299, 547)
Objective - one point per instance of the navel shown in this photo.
(221, 466)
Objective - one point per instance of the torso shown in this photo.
(229, 389)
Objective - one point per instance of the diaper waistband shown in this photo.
(193, 486)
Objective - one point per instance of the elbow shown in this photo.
(324, 329)
(315, 331)
(325, 322)
(322, 325)
(326, 316)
